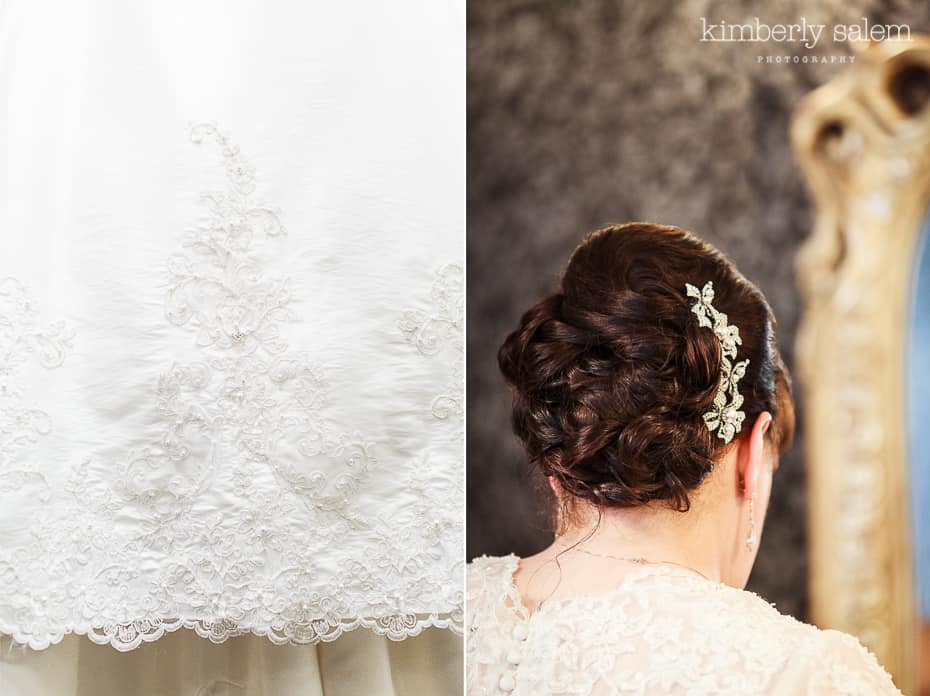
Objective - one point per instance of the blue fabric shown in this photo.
(918, 381)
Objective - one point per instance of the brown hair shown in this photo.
(611, 376)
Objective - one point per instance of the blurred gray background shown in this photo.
(585, 113)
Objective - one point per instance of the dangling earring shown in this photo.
(751, 537)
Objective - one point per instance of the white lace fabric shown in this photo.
(663, 630)
(230, 385)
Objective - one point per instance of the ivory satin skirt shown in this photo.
(359, 663)
(231, 347)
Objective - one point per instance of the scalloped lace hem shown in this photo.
(130, 635)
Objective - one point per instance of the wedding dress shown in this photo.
(663, 630)
(231, 332)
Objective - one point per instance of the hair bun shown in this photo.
(611, 377)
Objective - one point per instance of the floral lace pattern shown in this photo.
(249, 510)
(664, 630)
(21, 426)
(442, 332)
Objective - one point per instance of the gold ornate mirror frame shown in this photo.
(863, 144)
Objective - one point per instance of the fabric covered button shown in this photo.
(519, 632)
(507, 683)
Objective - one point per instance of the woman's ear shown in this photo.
(750, 460)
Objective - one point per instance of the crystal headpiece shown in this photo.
(725, 417)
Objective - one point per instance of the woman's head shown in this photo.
(612, 375)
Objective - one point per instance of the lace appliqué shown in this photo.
(21, 426)
(663, 631)
(244, 516)
(440, 330)
(251, 391)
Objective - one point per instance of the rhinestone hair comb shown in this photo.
(725, 417)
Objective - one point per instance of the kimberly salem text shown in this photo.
(802, 31)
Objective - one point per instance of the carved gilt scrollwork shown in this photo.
(863, 143)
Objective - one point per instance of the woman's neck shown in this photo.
(656, 535)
